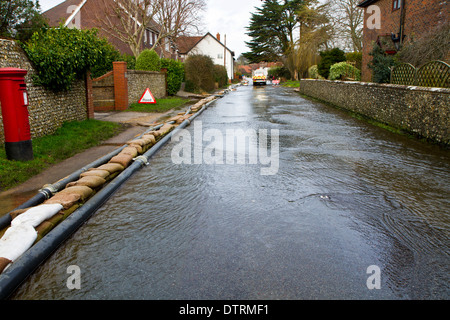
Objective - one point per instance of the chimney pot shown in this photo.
(218, 36)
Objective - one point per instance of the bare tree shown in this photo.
(348, 21)
(128, 20)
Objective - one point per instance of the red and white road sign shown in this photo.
(147, 97)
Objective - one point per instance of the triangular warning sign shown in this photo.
(147, 97)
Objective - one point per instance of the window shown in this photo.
(220, 56)
(396, 4)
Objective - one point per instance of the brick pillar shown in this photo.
(120, 85)
(89, 96)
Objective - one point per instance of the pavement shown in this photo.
(136, 124)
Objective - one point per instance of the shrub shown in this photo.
(381, 65)
(313, 72)
(148, 60)
(105, 62)
(328, 58)
(175, 75)
(199, 73)
(61, 55)
(220, 75)
(279, 72)
(355, 57)
(343, 70)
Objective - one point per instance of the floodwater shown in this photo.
(344, 199)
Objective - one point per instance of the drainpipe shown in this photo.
(402, 21)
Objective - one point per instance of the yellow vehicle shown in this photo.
(259, 77)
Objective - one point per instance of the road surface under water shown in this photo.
(344, 196)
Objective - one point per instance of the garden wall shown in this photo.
(47, 110)
(117, 89)
(421, 111)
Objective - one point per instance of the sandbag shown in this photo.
(84, 191)
(166, 128)
(15, 213)
(99, 173)
(138, 147)
(111, 167)
(156, 134)
(4, 263)
(42, 229)
(92, 182)
(122, 159)
(16, 240)
(129, 150)
(67, 200)
(149, 139)
(140, 142)
(35, 215)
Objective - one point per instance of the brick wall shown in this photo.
(421, 16)
(419, 110)
(47, 110)
(119, 88)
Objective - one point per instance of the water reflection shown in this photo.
(347, 195)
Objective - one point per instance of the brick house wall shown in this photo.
(420, 17)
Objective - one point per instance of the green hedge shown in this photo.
(220, 75)
(148, 60)
(343, 70)
(62, 55)
(199, 73)
(175, 75)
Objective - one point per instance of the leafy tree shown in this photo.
(19, 19)
(328, 58)
(148, 60)
(61, 55)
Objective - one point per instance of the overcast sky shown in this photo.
(227, 17)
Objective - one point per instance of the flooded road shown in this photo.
(345, 197)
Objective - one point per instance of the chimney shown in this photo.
(218, 36)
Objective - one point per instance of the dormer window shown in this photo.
(396, 4)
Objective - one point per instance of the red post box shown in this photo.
(14, 103)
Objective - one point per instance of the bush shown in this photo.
(61, 55)
(199, 73)
(175, 75)
(105, 62)
(279, 72)
(343, 70)
(381, 65)
(313, 72)
(148, 60)
(328, 58)
(220, 75)
(355, 57)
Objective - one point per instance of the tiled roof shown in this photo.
(185, 44)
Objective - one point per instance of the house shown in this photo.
(391, 23)
(210, 46)
(85, 14)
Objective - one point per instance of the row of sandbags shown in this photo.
(31, 224)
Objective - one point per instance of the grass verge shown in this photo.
(161, 105)
(72, 138)
(291, 83)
